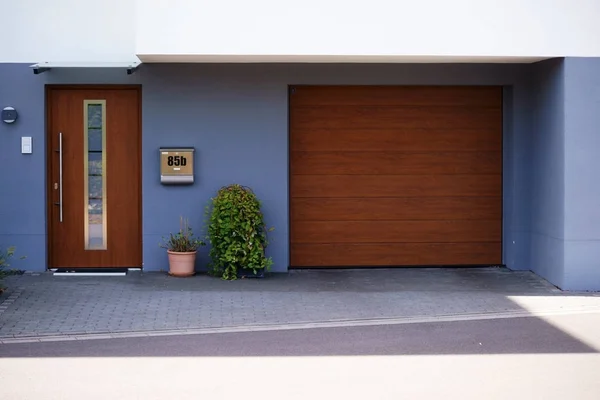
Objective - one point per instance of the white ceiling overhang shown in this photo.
(227, 58)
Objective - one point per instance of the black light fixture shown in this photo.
(9, 115)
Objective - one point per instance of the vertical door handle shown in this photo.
(60, 176)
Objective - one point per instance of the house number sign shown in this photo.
(177, 166)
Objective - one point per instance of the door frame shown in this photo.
(49, 88)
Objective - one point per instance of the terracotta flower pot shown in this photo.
(182, 264)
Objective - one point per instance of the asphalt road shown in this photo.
(528, 358)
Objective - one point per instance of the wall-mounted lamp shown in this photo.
(9, 115)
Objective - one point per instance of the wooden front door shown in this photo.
(94, 159)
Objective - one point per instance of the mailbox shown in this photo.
(177, 166)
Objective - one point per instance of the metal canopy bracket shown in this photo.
(38, 70)
(130, 67)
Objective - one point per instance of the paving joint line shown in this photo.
(10, 299)
(341, 323)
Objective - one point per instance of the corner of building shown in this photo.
(582, 191)
(22, 182)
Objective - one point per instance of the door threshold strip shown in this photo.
(90, 272)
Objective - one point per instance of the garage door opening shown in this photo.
(395, 176)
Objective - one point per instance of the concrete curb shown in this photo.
(297, 326)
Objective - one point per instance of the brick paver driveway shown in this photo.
(42, 304)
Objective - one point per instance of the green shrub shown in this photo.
(237, 233)
(5, 256)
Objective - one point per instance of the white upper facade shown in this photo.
(304, 31)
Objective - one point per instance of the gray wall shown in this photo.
(236, 117)
(565, 218)
(547, 184)
(22, 180)
(582, 173)
(237, 123)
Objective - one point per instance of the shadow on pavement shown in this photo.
(524, 335)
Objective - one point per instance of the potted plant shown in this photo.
(181, 249)
(237, 234)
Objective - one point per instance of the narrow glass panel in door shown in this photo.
(94, 155)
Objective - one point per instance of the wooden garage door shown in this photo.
(395, 176)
